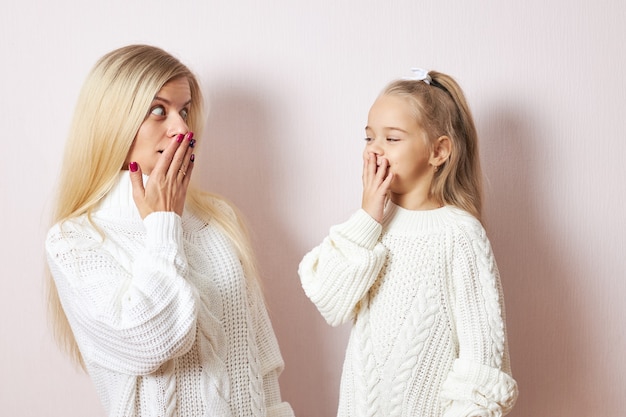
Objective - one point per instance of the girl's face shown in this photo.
(394, 134)
(166, 119)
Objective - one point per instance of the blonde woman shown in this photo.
(153, 288)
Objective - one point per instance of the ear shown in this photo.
(441, 151)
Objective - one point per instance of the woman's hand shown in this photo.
(376, 183)
(166, 189)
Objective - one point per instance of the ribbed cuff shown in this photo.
(163, 227)
(487, 387)
(361, 229)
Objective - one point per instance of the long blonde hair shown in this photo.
(442, 110)
(112, 105)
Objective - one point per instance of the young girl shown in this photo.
(154, 288)
(413, 268)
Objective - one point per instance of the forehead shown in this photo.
(391, 110)
(176, 88)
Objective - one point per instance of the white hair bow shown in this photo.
(420, 74)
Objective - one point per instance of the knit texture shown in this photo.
(166, 321)
(424, 294)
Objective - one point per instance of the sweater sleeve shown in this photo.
(127, 316)
(480, 382)
(339, 272)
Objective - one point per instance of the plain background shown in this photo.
(290, 83)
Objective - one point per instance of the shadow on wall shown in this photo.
(542, 320)
(240, 160)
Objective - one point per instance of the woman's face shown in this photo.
(166, 119)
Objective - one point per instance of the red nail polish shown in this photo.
(193, 157)
(133, 167)
(189, 135)
(179, 138)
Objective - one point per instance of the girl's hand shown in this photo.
(376, 183)
(166, 189)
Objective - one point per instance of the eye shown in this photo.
(158, 111)
(392, 139)
(184, 113)
(368, 139)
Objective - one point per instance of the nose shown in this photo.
(375, 147)
(176, 125)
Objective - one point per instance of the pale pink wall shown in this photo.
(290, 86)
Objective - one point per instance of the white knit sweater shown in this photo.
(424, 293)
(164, 317)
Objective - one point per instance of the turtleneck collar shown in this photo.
(119, 206)
(119, 203)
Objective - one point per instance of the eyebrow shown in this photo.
(169, 103)
(389, 128)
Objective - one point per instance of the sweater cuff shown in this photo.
(163, 228)
(472, 385)
(361, 229)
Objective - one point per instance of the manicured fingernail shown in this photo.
(192, 143)
(179, 138)
(133, 167)
(189, 135)
(193, 157)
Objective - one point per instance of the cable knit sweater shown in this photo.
(424, 294)
(163, 315)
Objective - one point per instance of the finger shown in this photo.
(369, 170)
(364, 171)
(178, 166)
(372, 163)
(187, 158)
(189, 169)
(136, 179)
(184, 172)
(165, 161)
(387, 182)
(383, 169)
(178, 160)
(184, 178)
(139, 191)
